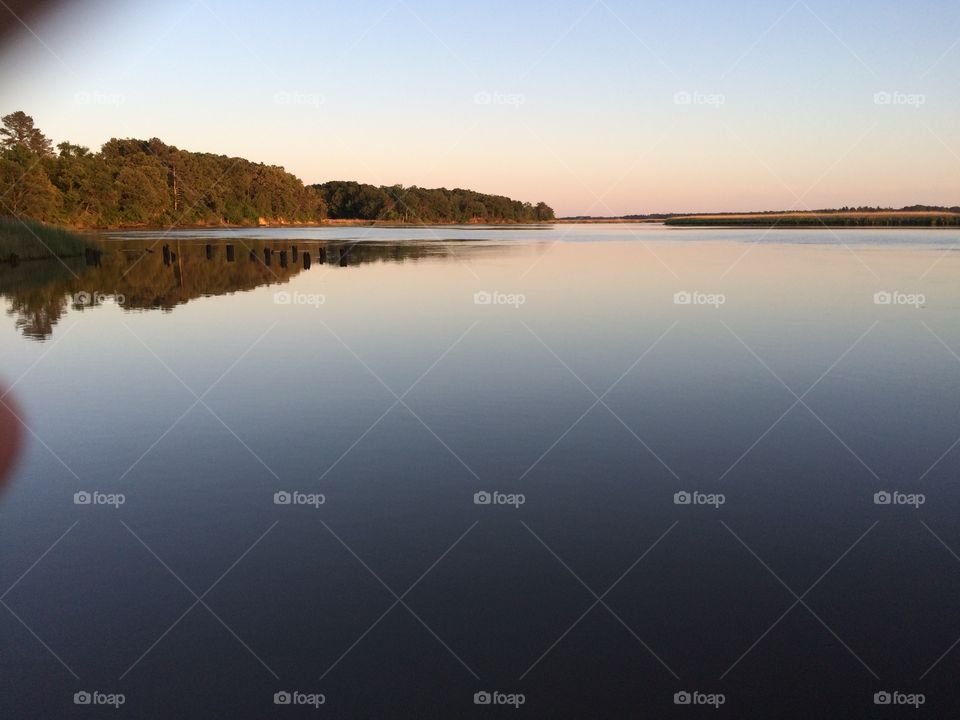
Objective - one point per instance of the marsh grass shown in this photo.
(820, 219)
(30, 240)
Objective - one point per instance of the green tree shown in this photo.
(132, 181)
(18, 129)
(25, 189)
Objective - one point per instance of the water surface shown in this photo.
(414, 368)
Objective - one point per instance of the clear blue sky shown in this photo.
(581, 104)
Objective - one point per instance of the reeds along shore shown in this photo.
(852, 219)
(30, 240)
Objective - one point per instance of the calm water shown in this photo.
(413, 369)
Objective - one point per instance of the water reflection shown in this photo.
(150, 275)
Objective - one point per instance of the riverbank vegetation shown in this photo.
(905, 217)
(346, 200)
(31, 240)
(147, 183)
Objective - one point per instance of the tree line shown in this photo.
(826, 219)
(348, 200)
(132, 182)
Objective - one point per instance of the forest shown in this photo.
(346, 200)
(141, 183)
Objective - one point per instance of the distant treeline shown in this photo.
(149, 183)
(923, 215)
(346, 200)
(909, 208)
(905, 218)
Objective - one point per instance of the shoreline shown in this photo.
(914, 219)
(320, 224)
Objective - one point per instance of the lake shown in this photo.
(583, 470)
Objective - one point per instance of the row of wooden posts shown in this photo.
(284, 257)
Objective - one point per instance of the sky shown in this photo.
(597, 107)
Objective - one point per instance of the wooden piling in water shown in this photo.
(293, 254)
(321, 255)
(231, 253)
(306, 261)
(283, 258)
(267, 256)
(166, 254)
(209, 252)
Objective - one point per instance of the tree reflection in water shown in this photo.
(157, 275)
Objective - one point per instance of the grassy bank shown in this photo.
(815, 219)
(29, 240)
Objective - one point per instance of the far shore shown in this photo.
(805, 219)
(848, 219)
(851, 219)
(18, 239)
(321, 224)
